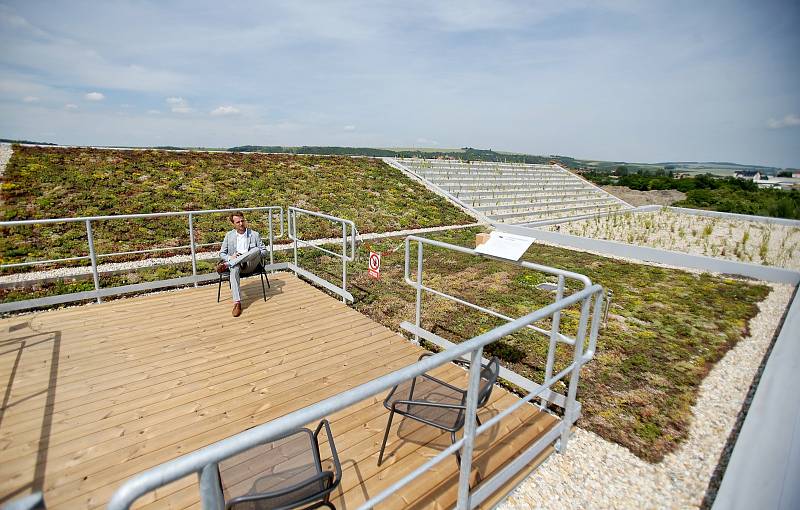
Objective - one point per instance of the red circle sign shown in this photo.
(374, 261)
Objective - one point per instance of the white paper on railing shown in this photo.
(506, 246)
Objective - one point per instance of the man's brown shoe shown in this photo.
(222, 267)
(237, 309)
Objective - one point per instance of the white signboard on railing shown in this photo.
(505, 246)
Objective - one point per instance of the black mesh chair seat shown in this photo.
(434, 402)
(412, 398)
(282, 474)
(258, 270)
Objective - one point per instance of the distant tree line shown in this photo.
(705, 191)
(466, 154)
(8, 140)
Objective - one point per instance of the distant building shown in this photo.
(771, 182)
(750, 175)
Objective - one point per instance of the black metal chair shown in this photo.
(258, 270)
(282, 474)
(437, 403)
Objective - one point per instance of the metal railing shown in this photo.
(347, 238)
(93, 256)
(554, 333)
(204, 462)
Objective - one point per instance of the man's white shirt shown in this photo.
(242, 243)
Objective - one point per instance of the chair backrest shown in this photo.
(489, 373)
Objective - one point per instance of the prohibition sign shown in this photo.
(374, 264)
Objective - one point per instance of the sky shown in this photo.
(639, 81)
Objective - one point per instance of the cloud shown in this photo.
(13, 21)
(154, 112)
(94, 96)
(225, 110)
(56, 56)
(179, 105)
(30, 99)
(425, 141)
(790, 120)
(349, 127)
(70, 106)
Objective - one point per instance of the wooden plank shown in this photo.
(217, 354)
(110, 423)
(139, 381)
(226, 405)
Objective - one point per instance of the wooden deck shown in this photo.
(95, 394)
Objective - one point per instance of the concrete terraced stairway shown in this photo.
(514, 192)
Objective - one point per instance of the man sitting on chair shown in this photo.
(241, 253)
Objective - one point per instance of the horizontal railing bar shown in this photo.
(527, 398)
(529, 265)
(15, 306)
(323, 215)
(561, 337)
(335, 219)
(512, 377)
(320, 248)
(137, 252)
(320, 281)
(192, 462)
(41, 262)
(26, 304)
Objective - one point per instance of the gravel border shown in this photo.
(595, 473)
(5, 156)
(727, 238)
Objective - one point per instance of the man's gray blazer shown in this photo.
(229, 244)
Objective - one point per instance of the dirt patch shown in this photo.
(637, 198)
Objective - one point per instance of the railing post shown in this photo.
(191, 245)
(469, 429)
(569, 407)
(292, 219)
(93, 257)
(554, 330)
(271, 255)
(210, 490)
(344, 259)
(419, 289)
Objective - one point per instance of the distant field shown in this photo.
(69, 182)
(421, 149)
(720, 169)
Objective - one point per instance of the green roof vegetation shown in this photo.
(72, 182)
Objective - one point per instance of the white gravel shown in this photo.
(732, 239)
(595, 473)
(5, 155)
